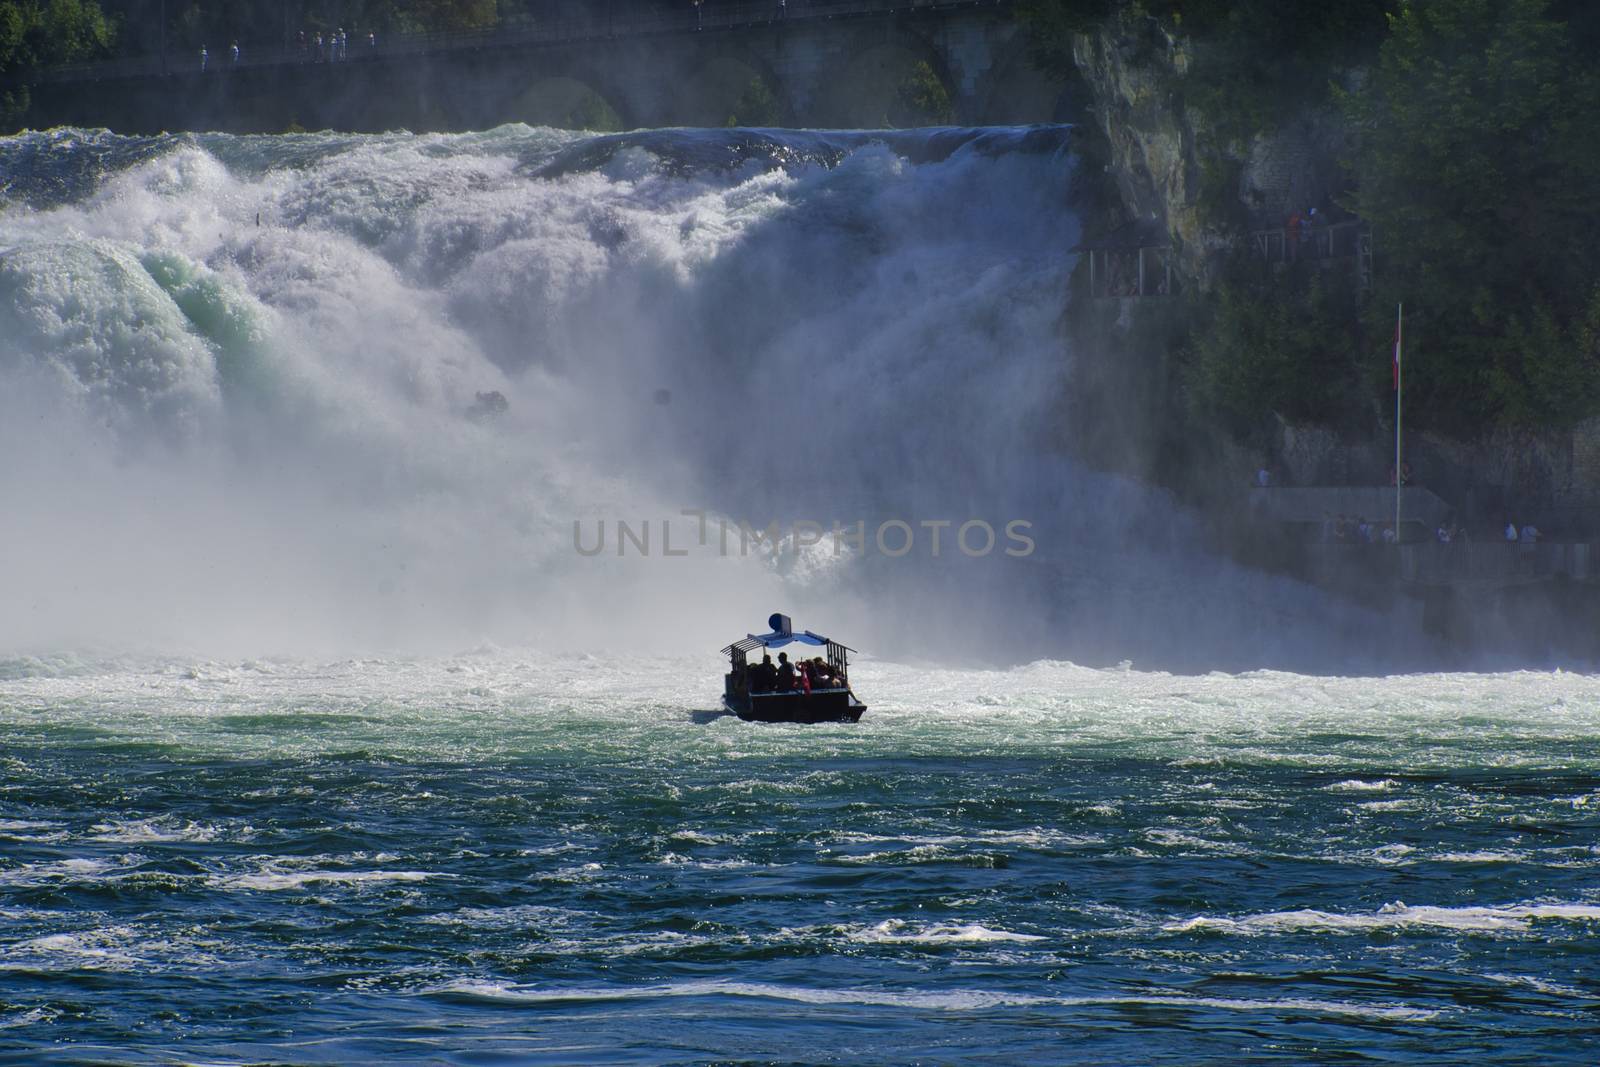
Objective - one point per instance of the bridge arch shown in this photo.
(1015, 92)
(900, 64)
(729, 86)
(567, 99)
(902, 80)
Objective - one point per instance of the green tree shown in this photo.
(1256, 62)
(1286, 343)
(436, 15)
(756, 106)
(1477, 165)
(1051, 24)
(35, 35)
(920, 99)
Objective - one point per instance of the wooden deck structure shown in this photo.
(1134, 260)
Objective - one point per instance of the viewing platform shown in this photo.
(1310, 505)
(1134, 260)
(1458, 563)
(1300, 516)
(1344, 243)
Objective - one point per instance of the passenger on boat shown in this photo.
(786, 671)
(763, 676)
(813, 677)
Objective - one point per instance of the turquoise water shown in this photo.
(522, 858)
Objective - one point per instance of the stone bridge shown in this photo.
(822, 63)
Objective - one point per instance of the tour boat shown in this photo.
(759, 695)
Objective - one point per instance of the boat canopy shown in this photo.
(782, 634)
(755, 641)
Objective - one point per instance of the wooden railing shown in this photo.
(1131, 272)
(1284, 245)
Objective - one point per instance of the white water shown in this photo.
(247, 438)
(1046, 847)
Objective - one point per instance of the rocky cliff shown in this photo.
(1172, 162)
(1174, 165)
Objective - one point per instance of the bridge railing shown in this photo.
(602, 22)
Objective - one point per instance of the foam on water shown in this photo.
(1521, 919)
(144, 831)
(898, 931)
(269, 881)
(1355, 785)
(957, 1001)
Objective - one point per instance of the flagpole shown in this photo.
(1399, 388)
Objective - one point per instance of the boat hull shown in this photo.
(825, 705)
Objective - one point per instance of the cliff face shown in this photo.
(1172, 165)
(1130, 65)
(1171, 162)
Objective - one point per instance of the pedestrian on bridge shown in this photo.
(233, 54)
(202, 59)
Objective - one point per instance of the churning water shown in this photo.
(258, 490)
(556, 859)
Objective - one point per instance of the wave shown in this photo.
(1519, 919)
(900, 932)
(1357, 785)
(272, 881)
(967, 1000)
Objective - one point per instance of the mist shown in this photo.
(240, 402)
